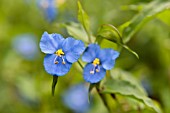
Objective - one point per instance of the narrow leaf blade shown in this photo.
(76, 30)
(55, 79)
(130, 50)
(148, 13)
(83, 18)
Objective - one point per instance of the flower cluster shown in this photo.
(61, 53)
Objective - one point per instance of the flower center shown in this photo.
(96, 61)
(96, 67)
(59, 54)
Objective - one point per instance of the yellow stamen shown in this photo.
(63, 62)
(56, 62)
(59, 52)
(97, 70)
(96, 61)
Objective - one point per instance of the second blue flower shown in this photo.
(98, 61)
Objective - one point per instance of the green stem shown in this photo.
(139, 109)
(80, 64)
(102, 96)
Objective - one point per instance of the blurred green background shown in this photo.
(26, 87)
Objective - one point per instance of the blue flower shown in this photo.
(26, 46)
(98, 61)
(49, 9)
(61, 53)
(76, 98)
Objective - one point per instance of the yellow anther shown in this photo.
(56, 62)
(97, 70)
(63, 62)
(59, 52)
(96, 61)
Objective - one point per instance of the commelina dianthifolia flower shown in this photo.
(98, 61)
(61, 53)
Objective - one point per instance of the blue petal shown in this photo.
(90, 53)
(58, 40)
(49, 43)
(107, 57)
(68, 43)
(93, 78)
(115, 54)
(108, 54)
(78, 47)
(71, 57)
(108, 64)
(74, 53)
(103, 55)
(56, 69)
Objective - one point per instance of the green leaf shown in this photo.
(130, 50)
(148, 13)
(124, 84)
(76, 30)
(111, 33)
(164, 17)
(84, 20)
(117, 73)
(55, 79)
(83, 17)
